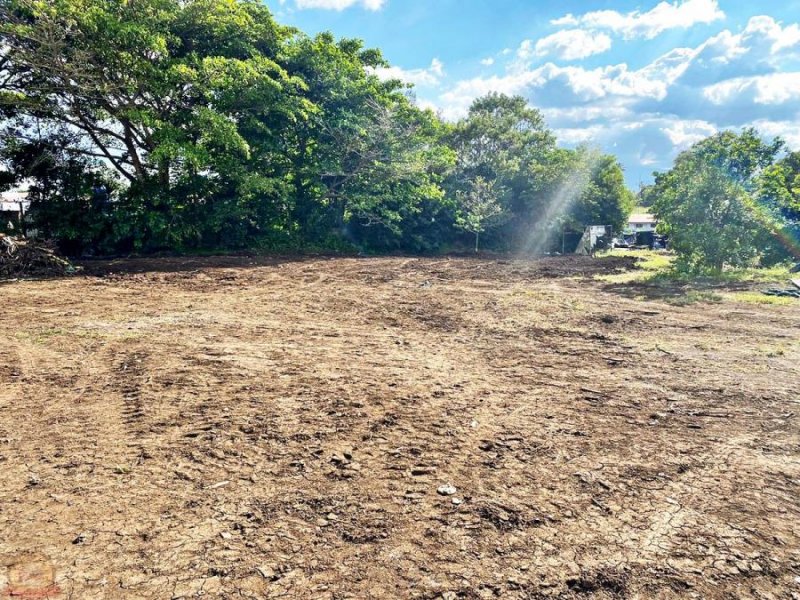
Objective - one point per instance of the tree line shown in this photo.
(148, 125)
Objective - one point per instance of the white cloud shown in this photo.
(683, 134)
(487, 62)
(340, 4)
(636, 24)
(573, 44)
(456, 101)
(648, 159)
(563, 87)
(772, 89)
(568, 20)
(739, 78)
(773, 33)
(430, 76)
(789, 131)
(573, 136)
(650, 142)
(526, 51)
(602, 111)
(587, 85)
(756, 50)
(612, 80)
(734, 77)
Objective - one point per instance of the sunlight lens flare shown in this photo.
(554, 215)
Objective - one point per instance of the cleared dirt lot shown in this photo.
(250, 428)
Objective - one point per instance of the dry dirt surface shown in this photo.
(393, 428)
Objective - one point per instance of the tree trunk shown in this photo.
(340, 206)
(163, 174)
(477, 235)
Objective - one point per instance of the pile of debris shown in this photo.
(792, 292)
(20, 257)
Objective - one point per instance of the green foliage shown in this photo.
(479, 207)
(63, 204)
(545, 188)
(644, 198)
(706, 203)
(505, 141)
(182, 99)
(605, 200)
(778, 195)
(215, 127)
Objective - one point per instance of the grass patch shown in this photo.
(656, 272)
(651, 265)
(775, 352)
(40, 337)
(779, 350)
(655, 264)
(756, 297)
(658, 267)
(776, 274)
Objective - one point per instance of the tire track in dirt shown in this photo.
(129, 374)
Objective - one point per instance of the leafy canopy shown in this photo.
(708, 203)
(215, 127)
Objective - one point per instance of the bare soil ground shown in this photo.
(264, 428)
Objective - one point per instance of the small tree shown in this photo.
(479, 208)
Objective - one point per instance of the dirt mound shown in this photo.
(23, 258)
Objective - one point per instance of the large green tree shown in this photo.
(367, 158)
(184, 100)
(706, 203)
(603, 198)
(545, 188)
(505, 141)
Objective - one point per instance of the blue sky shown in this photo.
(642, 80)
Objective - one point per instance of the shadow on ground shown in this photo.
(666, 290)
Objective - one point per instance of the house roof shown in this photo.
(643, 218)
